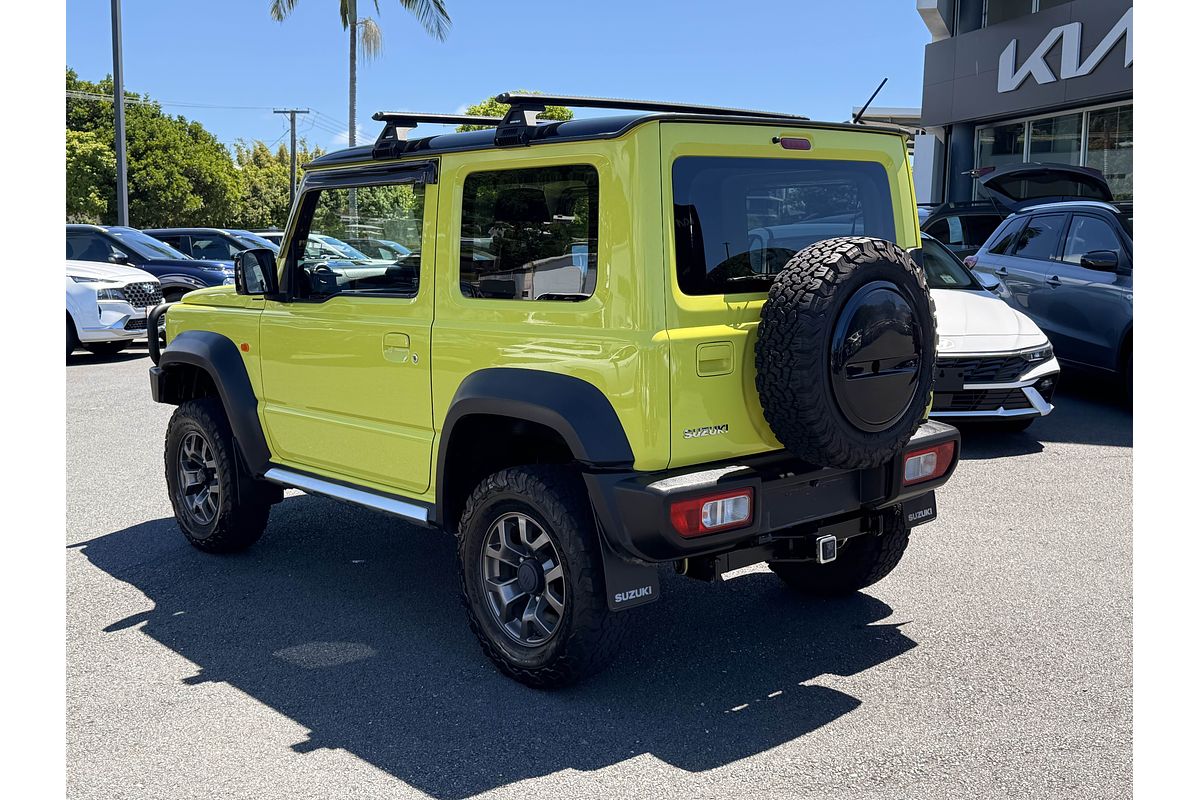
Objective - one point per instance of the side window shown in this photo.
(175, 241)
(939, 229)
(90, 246)
(1039, 239)
(1087, 234)
(328, 266)
(530, 234)
(977, 228)
(212, 247)
(1006, 236)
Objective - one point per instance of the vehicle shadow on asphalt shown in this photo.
(350, 624)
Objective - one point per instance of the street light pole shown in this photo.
(119, 121)
(292, 112)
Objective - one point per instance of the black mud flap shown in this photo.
(627, 584)
(919, 510)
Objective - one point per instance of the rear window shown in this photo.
(739, 220)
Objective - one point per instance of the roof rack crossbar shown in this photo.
(524, 108)
(386, 143)
(524, 98)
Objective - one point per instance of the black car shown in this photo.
(1068, 264)
(214, 244)
(177, 273)
(962, 227)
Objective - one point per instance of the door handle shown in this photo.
(1054, 281)
(396, 347)
(1002, 272)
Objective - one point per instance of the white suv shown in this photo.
(107, 305)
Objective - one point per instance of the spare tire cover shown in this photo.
(845, 352)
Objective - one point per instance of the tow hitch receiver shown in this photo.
(826, 549)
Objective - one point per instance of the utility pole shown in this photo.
(291, 112)
(119, 122)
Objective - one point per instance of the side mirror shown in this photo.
(987, 280)
(118, 258)
(254, 272)
(1102, 260)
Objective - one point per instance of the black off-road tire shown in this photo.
(861, 561)
(106, 348)
(240, 516)
(72, 336)
(588, 635)
(794, 353)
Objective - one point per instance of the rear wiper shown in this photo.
(761, 276)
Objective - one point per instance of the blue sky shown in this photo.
(813, 58)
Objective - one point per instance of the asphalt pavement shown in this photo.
(333, 660)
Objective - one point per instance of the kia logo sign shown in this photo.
(1011, 77)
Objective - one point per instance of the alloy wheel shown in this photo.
(523, 579)
(199, 479)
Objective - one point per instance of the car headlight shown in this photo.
(110, 294)
(1044, 353)
(83, 279)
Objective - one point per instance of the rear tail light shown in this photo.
(970, 261)
(928, 464)
(725, 511)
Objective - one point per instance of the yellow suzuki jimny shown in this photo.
(675, 335)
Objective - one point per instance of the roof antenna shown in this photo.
(858, 117)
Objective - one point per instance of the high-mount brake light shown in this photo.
(793, 143)
(711, 513)
(928, 464)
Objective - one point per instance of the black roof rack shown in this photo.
(385, 144)
(525, 107)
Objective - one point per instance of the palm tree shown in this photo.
(364, 32)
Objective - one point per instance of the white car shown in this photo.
(107, 305)
(993, 363)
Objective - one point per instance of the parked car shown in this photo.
(993, 363)
(177, 272)
(321, 246)
(962, 227)
(381, 249)
(576, 443)
(107, 305)
(1069, 266)
(214, 244)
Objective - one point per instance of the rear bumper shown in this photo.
(634, 507)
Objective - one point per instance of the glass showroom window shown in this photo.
(999, 145)
(1110, 147)
(1056, 139)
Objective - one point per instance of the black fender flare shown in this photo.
(219, 357)
(570, 406)
(573, 408)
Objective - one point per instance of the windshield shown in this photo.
(254, 240)
(943, 270)
(145, 245)
(341, 247)
(739, 220)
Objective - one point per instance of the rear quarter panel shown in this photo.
(613, 340)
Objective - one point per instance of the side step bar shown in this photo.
(360, 497)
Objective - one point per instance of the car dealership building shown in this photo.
(1008, 81)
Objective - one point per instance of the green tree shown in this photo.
(491, 108)
(263, 196)
(179, 174)
(365, 33)
(91, 166)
